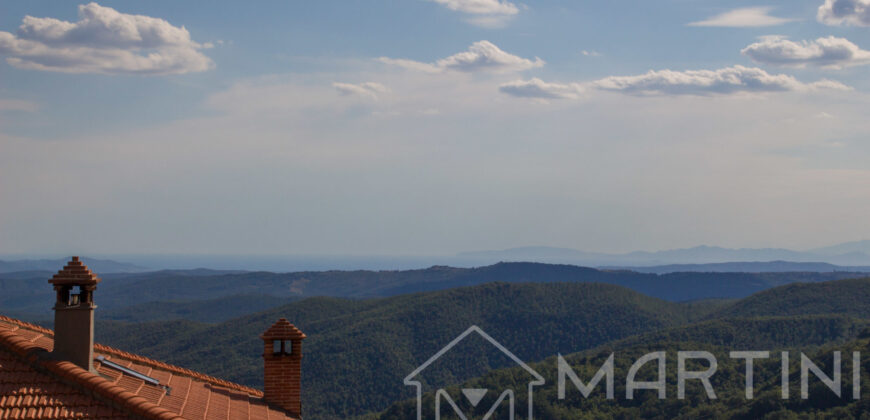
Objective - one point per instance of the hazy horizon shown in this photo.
(414, 255)
(852, 255)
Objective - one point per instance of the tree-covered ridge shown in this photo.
(848, 297)
(358, 351)
(804, 332)
(816, 319)
(207, 310)
(27, 294)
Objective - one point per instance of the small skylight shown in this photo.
(131, 372)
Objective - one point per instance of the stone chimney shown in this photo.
(282, 373)
(74, 314)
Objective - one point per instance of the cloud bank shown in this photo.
(829, 52)
(539, 89)
(485, 13)
(726, 81)
(369, 90)
(729, 80)
(744, 17)
(105, 41)
(845, 12)
(480, 56)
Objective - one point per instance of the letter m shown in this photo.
(566, 371)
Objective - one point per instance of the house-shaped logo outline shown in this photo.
(409, 380)
(442, 394)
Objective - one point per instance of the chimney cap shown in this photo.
(282, 330)
(75, 273)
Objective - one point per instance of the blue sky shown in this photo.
(431, 127)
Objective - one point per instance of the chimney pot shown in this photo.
(282, 359)
(74, 314)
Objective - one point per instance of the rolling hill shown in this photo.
(811, 318)
(387, 322)
(206, 310)
(27, 294)
(727, 383)
(359, 350)
(848, 297)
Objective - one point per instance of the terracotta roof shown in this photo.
(282, 330)
(75, 273)
(33, 386)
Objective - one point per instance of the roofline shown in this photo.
(178, 370)
(146, 361)
(69, 372)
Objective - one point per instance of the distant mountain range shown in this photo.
(745, 267)
(847, 254)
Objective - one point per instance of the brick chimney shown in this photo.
(282, 373)
(74, 314)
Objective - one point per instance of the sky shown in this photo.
(431, 127)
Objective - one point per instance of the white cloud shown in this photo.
(306, 160)
(411, 64)
(830, 52)
(539, 89)
(484, 55)
(367, 89)
(106, 41)
(729, 80)
(845, 12)
(481, 56)
(744, 17)
(590, 53)
(480, 7)
(485, 13)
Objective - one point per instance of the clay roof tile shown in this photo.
(65, 390)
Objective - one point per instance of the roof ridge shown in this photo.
(145, 360)
(178, 369)
(71, 373)
(27, 325)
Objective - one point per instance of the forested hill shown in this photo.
(672, 286)
(359, 351)
(26, 292)
(849, 297)
(812, 318)
(728, 383)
